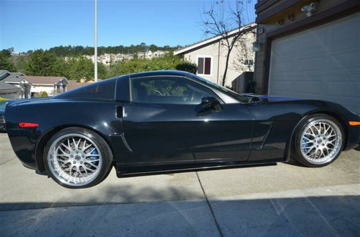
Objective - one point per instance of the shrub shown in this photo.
(41, 94)
(187, 66)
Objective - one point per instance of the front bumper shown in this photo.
(353, 137)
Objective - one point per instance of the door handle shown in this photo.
(119, 111)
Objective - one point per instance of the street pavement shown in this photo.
(279, 200)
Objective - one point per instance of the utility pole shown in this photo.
(95, 48)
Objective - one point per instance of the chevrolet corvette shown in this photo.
(171, 121)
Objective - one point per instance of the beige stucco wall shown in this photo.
(218, 54)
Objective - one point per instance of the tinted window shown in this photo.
(231, 93)
(100, 90)
(168, 90)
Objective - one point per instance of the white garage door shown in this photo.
(320, 63)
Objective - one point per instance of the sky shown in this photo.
(34, 24)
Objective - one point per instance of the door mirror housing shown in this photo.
(211, 103)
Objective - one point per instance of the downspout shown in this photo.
(218, 68)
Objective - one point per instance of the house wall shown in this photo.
(218, 54)
(274, 21)
(49, 89)
(24, 91)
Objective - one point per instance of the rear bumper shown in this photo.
(23, 144)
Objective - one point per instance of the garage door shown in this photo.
(321, 63)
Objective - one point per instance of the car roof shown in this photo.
(160, 73)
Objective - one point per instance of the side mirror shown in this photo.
(211, 103)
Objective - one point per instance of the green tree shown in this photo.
(80, 67)
(20, 61)
(6, 63)
(168, 62)
(103, 71)
(42, 63)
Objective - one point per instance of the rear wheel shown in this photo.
(77, 158)
(319, 142)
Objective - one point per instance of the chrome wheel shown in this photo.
(74, 159)
(321, 141)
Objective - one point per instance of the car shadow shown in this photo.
(181, 213)
(294, 162)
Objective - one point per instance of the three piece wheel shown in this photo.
(77, 158)
(319, 141)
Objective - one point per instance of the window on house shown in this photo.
(248, 62)
(204, 66)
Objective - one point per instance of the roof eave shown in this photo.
(211, 40)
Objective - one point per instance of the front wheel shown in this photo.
(77, 158)
(319, 142)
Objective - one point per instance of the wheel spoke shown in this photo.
(89, 153)
(66, 147)
(85, 169)
(63, 152)
(87, 162)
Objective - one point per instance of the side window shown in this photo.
(168, 90)
(204, 66)
(99, 90)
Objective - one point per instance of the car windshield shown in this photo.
(240, 97)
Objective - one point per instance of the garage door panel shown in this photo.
(343, 60)
(313, 43)
(285, 48)
(323, 63)
(283, 66)
(346, 33)
(282, 86)
(311, 87)
(337, 89)
(310, 64)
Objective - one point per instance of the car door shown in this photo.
(165, 122)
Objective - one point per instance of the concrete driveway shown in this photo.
(281, 200)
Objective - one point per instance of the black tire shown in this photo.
(104, 149)
(298, 155)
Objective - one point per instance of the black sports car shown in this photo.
(168, 121)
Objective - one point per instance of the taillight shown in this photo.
(28, 125)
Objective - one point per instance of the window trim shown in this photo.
(211, 64)
(171, 76)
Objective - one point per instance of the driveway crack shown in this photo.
(210, 207)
